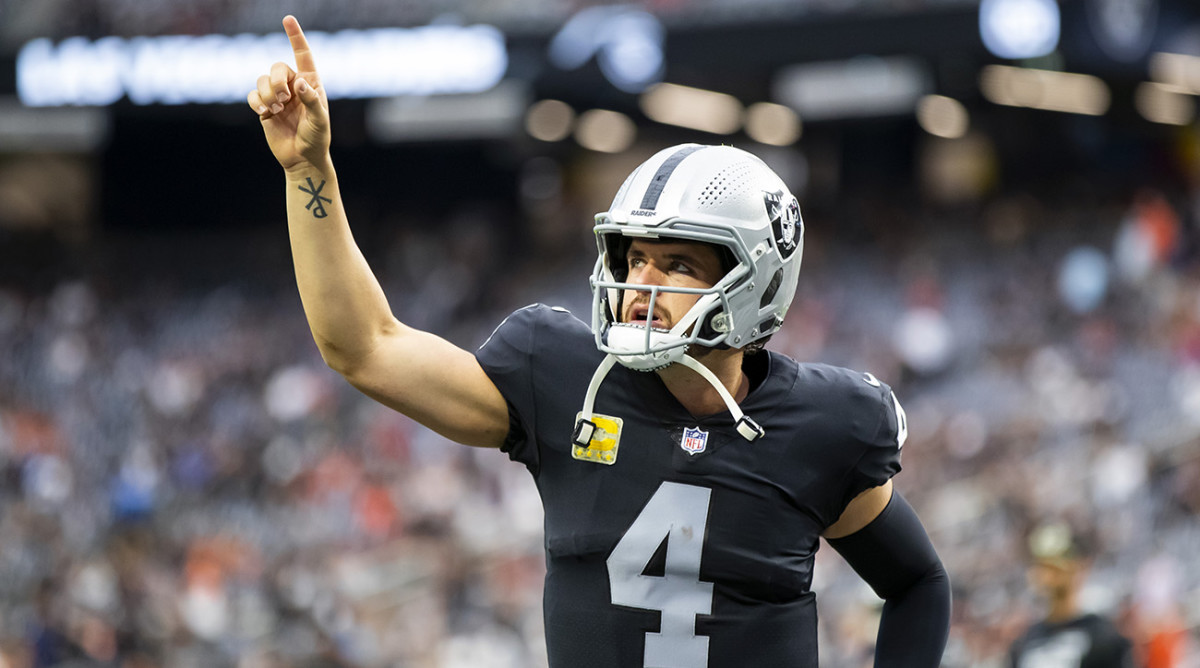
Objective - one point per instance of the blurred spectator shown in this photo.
(1066, 637)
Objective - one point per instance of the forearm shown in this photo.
(914, 625)
(419, 374)
(343, 301)
(893, 554)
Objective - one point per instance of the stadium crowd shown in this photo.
(186, 484)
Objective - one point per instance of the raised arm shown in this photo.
(419, 374)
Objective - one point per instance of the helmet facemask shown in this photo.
(640, 345)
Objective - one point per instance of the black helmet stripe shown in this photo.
(654, 191)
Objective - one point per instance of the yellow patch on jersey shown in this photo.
(602, 449)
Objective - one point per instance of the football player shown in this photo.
(1067, 637)
(687, 476)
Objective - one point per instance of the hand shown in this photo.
(292, 106)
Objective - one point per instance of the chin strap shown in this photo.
(749, 429)
(693, 314)
(585, 428)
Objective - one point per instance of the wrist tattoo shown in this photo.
(315, 204)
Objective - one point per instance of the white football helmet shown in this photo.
(714, 194)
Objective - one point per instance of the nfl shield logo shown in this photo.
(694, 440)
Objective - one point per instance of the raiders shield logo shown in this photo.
(784, 213)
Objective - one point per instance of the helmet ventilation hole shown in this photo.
(731, 181)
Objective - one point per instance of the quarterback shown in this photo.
(687, 475)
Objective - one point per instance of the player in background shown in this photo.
(1067, 637)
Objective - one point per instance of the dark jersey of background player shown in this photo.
(1067, 637)
(738, 592)
(1086, 641)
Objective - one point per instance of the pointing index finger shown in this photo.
(304, 57)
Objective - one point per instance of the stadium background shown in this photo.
(185, 484)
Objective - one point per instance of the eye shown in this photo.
(681, 268)
(636, 262)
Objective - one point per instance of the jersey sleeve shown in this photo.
(507, 358)
(880, 438)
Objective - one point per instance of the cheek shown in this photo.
(674, 305)
(628, 297)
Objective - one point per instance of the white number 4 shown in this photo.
(679, 514)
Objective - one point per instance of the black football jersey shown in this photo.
(1089, 641)
(670, 539)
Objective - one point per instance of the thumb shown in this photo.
(307, 94)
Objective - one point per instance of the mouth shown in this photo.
(641, 313)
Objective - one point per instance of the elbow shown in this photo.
(335, 358)
(934, 583)
(915, 624)
(350, 356)
(349, 364)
